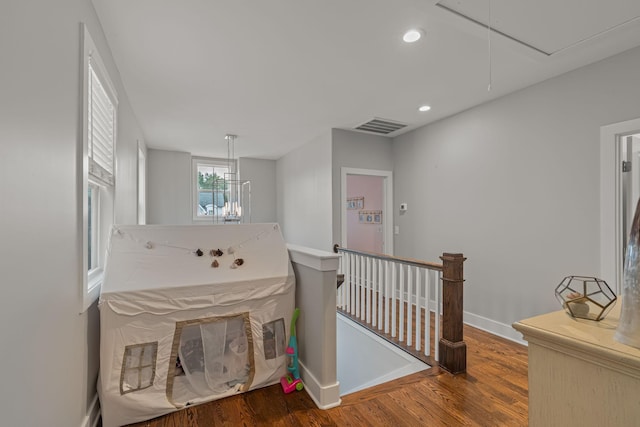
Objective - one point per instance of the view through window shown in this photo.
(210, 189)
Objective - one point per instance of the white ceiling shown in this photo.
(278, 73)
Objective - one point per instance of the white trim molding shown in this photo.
(493, 327)
(325, 397)
(93, 414)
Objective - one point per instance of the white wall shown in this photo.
(355, 150)
(305, 194)
(129, 132)
(49, 351)
(514, 185)
(262, 174)
(168, 187)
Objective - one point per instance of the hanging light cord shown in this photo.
(489, 43)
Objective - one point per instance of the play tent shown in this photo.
(190, 314)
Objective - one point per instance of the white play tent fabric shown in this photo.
(177, 330)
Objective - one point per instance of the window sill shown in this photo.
(92, 292)
(206, 220)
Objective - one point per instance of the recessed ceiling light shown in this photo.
(424, 108)
(412, 35)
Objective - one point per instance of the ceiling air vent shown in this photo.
(381, 126)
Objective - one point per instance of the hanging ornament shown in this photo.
(215, 252)
(237, 263)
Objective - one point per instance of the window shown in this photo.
(209, 188)
(274, 339)
(138, 367)
(100, 105)
(93, 206)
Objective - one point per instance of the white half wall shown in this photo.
(49, 349)
(514, 185)
(315, 272)
(304, 191)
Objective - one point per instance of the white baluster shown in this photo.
(342, 270)
(380, 294)
(374, 292)
(394, 292)
(358, 284)
(363, 289)
(418, 305)
(409, 306)
(402, 299)
(387, 297)
(349, 284)
(427, 311)
(436, 334)
(368, 288)
(352, 283)
(346, 285)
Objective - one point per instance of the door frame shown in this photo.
(387, 204)
(611, 238)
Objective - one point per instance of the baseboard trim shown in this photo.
(93, 414)
(493, 327)
(325, 397)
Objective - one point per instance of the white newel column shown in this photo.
(315, 273)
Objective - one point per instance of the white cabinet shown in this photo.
(578, 374)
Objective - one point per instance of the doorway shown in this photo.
(366, 213)
(619, 192)
(630, 150)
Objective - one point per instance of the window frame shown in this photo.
(195, 163)
(104, 193)
(93, 218)
(142, 183)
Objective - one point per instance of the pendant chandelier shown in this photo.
(235, 192)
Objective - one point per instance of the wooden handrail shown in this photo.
(407, 261)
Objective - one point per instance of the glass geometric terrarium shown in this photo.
(585, 297)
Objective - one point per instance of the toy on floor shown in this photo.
(292, 381)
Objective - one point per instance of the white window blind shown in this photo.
(101, 124)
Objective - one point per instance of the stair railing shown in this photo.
(395, 298)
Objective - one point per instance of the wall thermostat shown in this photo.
(403, 207)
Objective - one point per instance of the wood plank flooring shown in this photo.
(493, 392)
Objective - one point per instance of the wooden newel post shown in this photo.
(453, 350)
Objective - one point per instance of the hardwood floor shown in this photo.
(493, 392)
